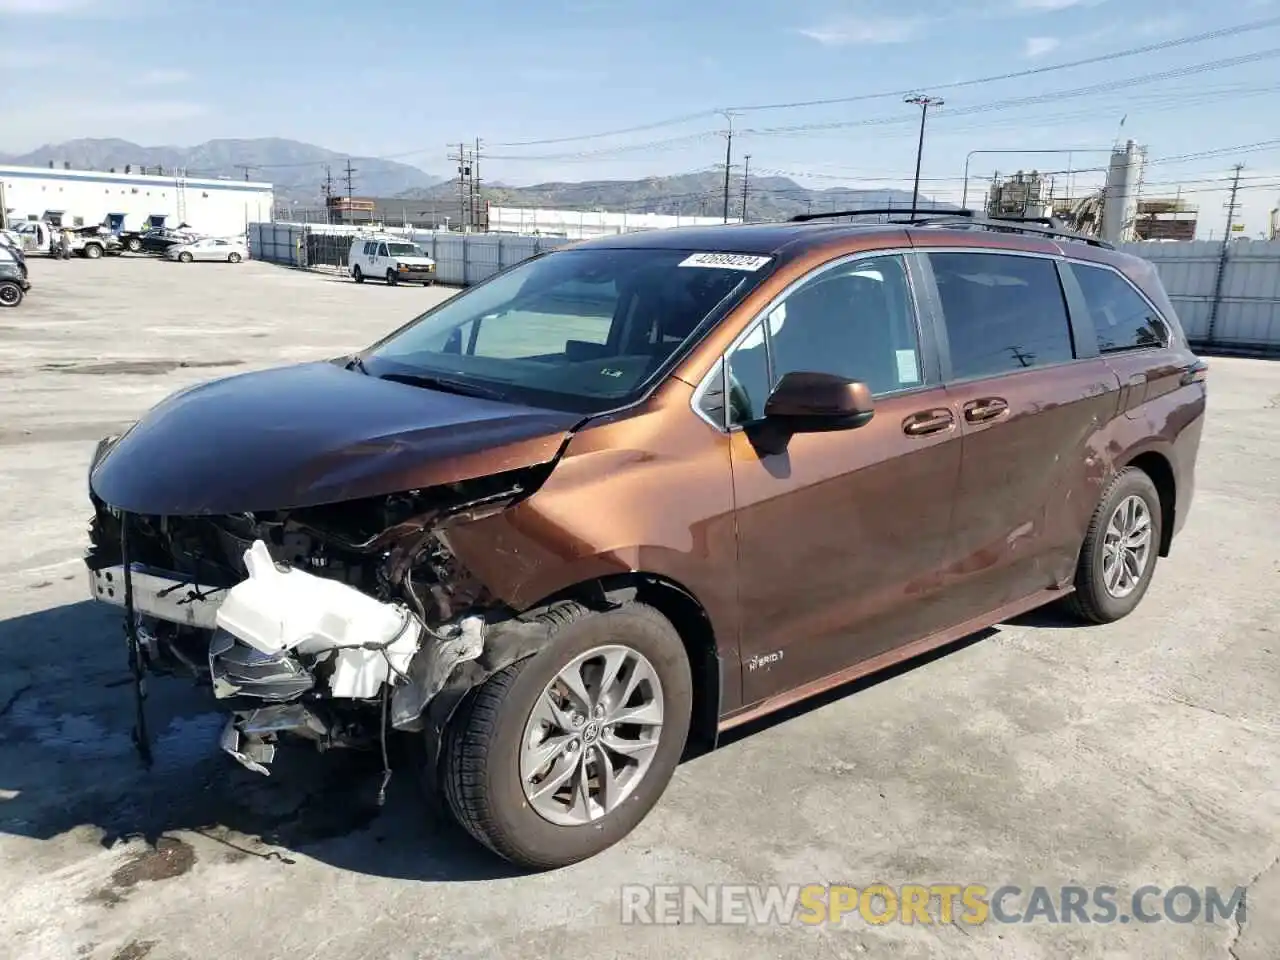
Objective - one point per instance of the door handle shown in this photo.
(988, 408)
(927, 421)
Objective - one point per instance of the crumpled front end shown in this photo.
(335, 624)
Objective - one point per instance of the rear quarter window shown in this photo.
(1122, 317)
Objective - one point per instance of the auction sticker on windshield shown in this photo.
(725, 261)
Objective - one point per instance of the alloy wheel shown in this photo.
(591, 736)
(1126, 547)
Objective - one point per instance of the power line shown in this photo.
(1035, 71)
(1247, 27)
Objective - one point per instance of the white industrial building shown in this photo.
(126, 201)
(585, 224)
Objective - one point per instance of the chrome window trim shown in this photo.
(761, 315)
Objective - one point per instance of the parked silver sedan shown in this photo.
(209, 248)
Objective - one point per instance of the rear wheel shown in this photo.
(560, 755)
(10, 294)
(133, 244)
(391, 278)
(1118, 558)
(234, 258)
(185, 257)
(357, 274)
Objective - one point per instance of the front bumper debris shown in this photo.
(160, 596)
(250, 735)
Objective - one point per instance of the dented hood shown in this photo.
(312, 434)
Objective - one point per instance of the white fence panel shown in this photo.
(1247, 315)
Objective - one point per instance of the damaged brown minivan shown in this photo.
(629, 494)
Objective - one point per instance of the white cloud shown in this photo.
(1038, 46)
(45, 7)
(850, 31)
(160, 77)
(1048, 6)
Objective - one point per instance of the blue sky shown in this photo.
(402, 79)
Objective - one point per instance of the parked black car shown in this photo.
(158, 241)
(13, 275)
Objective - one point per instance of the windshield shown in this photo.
(404, 250)
(581, 330)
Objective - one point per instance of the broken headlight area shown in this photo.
(334, 624)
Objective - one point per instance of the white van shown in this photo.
(390, 258)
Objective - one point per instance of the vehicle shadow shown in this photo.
(68, 762)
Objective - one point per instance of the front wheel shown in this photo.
(560, 755)
(93, 251)
(133, 244)
(234, 258)
(1118, 557)
(10, 294)
(185, 257)
(391, 278)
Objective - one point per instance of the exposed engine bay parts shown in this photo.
(333, 624)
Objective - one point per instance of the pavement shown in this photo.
(1036, 754)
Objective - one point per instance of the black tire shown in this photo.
(480, 763)
(392, 279)
(10, 294)
(185, 257)
(1092, 601)
(233, 258)
(357, 274)
(133, 244)
(92, 251)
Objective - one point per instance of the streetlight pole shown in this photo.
(924, 103)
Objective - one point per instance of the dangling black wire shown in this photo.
(141, 738)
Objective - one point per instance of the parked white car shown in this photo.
(391, 259)
(209, 248)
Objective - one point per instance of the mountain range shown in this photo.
(690, 194)
(296, 169)
(298, 172)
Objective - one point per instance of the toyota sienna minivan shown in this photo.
(632, 493)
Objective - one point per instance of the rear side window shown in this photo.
(1121, 317)
(369, 248)
(1003, 313)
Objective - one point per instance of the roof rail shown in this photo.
(1028, 225)
(917, 214)
(962, 219)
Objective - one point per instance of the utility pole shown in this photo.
(246, 168)
(924, 103)
(463, 160)
(1220, 279)
(328, 194)
(477, 204)
(349, 178)
(746, 176)
(728, 160)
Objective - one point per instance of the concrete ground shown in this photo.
(1146, 752)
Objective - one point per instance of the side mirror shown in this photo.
(814, 402)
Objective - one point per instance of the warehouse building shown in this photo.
(130, 201)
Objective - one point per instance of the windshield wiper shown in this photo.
(445, 385)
